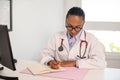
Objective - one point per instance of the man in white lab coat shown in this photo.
(74, 47)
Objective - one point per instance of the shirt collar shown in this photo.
(77, 37)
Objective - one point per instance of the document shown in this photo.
(70, 73)
(38, 68)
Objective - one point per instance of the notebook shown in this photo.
(38, 68)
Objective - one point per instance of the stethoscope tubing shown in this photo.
(86, 44)
(82, 41)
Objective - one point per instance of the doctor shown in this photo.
(74, 47)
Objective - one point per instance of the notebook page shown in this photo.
(38, 68)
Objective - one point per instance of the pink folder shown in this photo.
(71, 73)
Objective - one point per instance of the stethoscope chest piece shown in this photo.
(60, 48)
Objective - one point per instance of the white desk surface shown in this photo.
(96, 74)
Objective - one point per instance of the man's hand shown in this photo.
(54, 64)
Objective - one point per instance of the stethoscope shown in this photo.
(82, 41)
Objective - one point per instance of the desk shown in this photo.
(96, 74)
(106, 74)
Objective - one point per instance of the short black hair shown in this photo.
(76, 11)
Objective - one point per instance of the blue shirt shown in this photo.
(72, 40)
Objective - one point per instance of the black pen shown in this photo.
(54, 59)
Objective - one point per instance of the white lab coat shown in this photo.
(95, 56)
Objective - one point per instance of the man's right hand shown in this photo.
(54, 64)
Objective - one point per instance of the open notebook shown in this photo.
(38, 68)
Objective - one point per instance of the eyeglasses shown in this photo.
(77, 28)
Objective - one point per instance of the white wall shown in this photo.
(34, 22)
(70, 3)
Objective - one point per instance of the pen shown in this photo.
(54, 59)
(57, 62)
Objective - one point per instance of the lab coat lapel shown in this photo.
(65, 42)
(83, 35)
